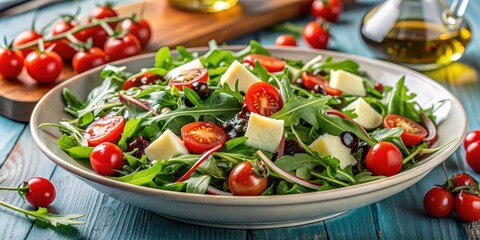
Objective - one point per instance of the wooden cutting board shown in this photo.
(170, 27)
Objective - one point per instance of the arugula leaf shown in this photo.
(364, 177)
(79, 152)
(336, 125)
(401, 103)
(392, 135)
(232, 143)
(142, 177)
(198, 185)
(184, 55)
(254, 47)
(301, 160)
(192, 96)
(163, 58)
(347, 65)
(112, 71)
(303, 172)
(236, 94)
(286, 91)
(98, 97)
(72, 103)
(66, 141)
(301, 108)
(130, 128)
(261, 72)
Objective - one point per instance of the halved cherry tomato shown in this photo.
(413, 133)
(202, 136)
(187, 78)
(270, 63)
(263, 98)
(105, 129)
(310, 80)
(144, 79)
(385, 159)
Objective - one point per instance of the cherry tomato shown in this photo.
(329, 10)
(245, 181)
(24, 38)
(384, 159)
(473, 156)
(438, 202)
(140, 29)
(44, 67)
(286, 40)
(310, 80)
(122, 47)
(106, 158)
(11, 63)
(462, 179)
(188, 78)
(467, 206)
(144, 79)
(413, 133)
(98, 35)
(263, 98)
(41, 192)
(471, 137)
(87, 59)
(61, 46)
(105, 129)
(104, 11)
(202, 136)
(315, 35)
(270, 63)
(378, 86)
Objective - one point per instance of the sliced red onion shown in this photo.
(215, 191)
(286, 175)
(139, 103)
(199, 162)
(281, 148)
(431, 128)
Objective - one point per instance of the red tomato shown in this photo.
(140, 29)
(106, 158)
(41, 192)
(467, 206)
(413, 133)
(202, 136)
(329, 10)
(473, 156)
(244, 180)
(44, 67)
(462, 179)
(11, 63)
(310, 80)
(471, 137)
(286, 40)
(438, 202)
(24, 38)
(104, 11)
(263, 98)
(270, 63)
(315, 35)
(122, 47)
(86, 60)
(105, 129)
(188, 78)
(61, 46)
(384, 159)
(98, 35)
(144, 79)
(378, 86)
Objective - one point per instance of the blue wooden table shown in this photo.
(400, 216)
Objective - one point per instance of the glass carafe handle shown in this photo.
(458, 8)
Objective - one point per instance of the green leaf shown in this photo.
(336, 125)
(301, 108)
(198, 185)
(400, 102)
(163, 58)
(285, 88)
(72, 103)
(234, 93)
(254, 47)
(261, 72)
(142, 177)
(301, 160)
(65, 142)
(130, 128)
(110, 71)
(347, 65)
(392, 135)
(232, 143)
(303, 172)
(98, 97)
(192, 96)
(80, 152)
(364, 177)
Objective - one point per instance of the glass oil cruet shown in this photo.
(421, 34)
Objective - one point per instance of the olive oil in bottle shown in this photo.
(204, 5)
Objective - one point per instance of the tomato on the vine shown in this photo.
(118, 48)
(62, 46)
(105, 129)
(467, 206)
(41, 192)
(87, 59)
(200, 137)
(462, 179)
(263, 98)
(329, 10)
(188, 78)
(44, 67)
(144, 79)
(270, 63)
(286, 40)
(246, 179)
(438, 202)
(413, 133)
(473, 156)
(310, 80)
(11, 63)
(104, 11)
(24, 38)
(385, 159)
(98, 34)
(106, 158)
(471, 137)
(140, 29)
(315, 35)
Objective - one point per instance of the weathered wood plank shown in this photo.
(315, 231)
(9, 132)
(355, 224)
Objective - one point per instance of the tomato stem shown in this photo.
(199, 162)
(445, 170)
(14, 188)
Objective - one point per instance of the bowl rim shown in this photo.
(350, 191)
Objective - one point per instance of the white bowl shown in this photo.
(262, 211)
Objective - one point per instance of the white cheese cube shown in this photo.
(349, 83)
(166, 146)
(194, 64)
(264, 133)
(367, 117)
(235, 72)
(332, 145)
